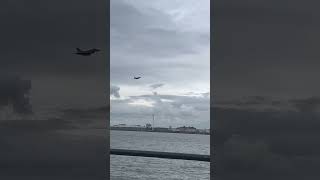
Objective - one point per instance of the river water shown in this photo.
(145, 168)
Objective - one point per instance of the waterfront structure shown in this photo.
(148, 127)
(185, 129)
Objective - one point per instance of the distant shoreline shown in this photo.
(144, 130)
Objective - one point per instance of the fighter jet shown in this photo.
(86, 52)
(137, 77)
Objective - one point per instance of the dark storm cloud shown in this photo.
(303, 105)
(88, 112)
(308, 105)
(248, 100)
(14, 92)
(26, 125)
(263, 121)
(87, 118)
(258, 103)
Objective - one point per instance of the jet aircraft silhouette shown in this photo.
(86, 52)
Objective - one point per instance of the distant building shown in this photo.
(124, 127)
(148, 126)
(119, 125)
(161, 129)
(203, 131)
(185, 129)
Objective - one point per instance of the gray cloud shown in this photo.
(258, 103)
(149, 31)
(148, 41)
(168, 109)
(14, 92)
(86, 118)
(308, 105)
(155, 86)
(261, 103)
(114, 91)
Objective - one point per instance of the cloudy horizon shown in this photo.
(167, 43)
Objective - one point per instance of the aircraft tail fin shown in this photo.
(78, 49)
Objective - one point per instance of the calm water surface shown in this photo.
(143, 168)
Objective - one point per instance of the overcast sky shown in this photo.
(167, 44)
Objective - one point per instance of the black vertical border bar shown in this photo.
(108, 87)
(212, 164)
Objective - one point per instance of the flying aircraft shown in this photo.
(86, 52)
(137, 77)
